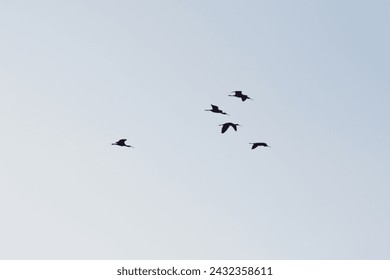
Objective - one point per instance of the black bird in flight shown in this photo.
(259, 144)
(122, 143)
(225, 126)
(215, 109)
(239, 94)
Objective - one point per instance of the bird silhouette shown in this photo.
(259, 144)
(121, 143)
(225, 126)
(239, 94)
(215, 109)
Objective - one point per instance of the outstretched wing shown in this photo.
(258, 144)
(245, 97)
(225, 127)
(121, 142)
(214, 107)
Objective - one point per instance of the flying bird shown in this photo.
(225, 126)
(259, 144)
(215, 109)
(121, 143)
(239, 94)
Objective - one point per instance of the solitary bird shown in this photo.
(122, 143)
(225, 126)
(239, 94)
(215, 109)
(259, 144)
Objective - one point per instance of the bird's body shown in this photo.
(239, 94)
(225, 126)
(259, 144)
(215, 109)
(122, 143)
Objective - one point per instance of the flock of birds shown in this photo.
(225, 126)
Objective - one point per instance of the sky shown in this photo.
(76, 76)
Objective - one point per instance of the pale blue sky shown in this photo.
(76, 76)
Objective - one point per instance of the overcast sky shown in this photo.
(76, 76)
